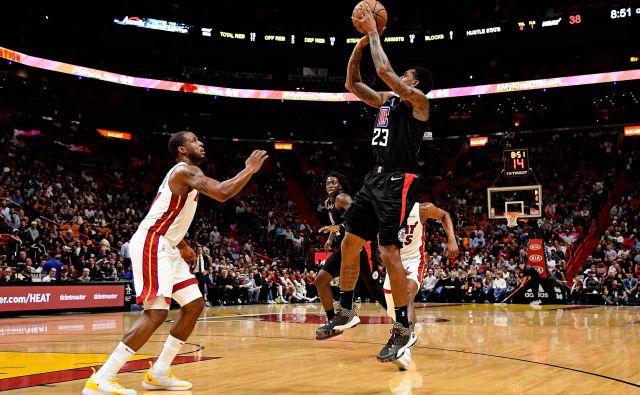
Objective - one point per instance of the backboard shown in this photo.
(526, 199)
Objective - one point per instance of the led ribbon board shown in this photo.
(518, 86)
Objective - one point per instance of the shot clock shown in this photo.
(516, 162)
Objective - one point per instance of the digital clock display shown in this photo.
(516, 162)
(621, 13)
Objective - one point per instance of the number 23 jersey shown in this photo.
(397, 135)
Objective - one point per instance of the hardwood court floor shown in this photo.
(271, 349)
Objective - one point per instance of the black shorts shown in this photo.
(382, 206)
(334, 262)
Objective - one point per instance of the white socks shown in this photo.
(122, 354)
(169, 351)
(116, 361)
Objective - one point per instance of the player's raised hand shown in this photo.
(368, 21)
(255, 160)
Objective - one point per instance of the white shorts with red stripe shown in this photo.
(414, 267)
(159, 272)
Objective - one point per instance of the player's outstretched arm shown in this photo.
(354, 82)
(413, 96)
(194, 178)
(429, 210)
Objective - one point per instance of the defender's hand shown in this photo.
(255, 160)
(330, 228)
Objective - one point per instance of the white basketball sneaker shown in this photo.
(101, 387)
(403, 362)
(164, 382)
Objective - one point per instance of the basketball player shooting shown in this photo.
(380, 207)
(159, 257)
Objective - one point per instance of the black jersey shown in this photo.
(397, 135)
(335, 216)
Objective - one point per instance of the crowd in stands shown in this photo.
(68, 217)
(610, 273)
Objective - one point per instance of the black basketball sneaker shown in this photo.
(401, 340)
(344, 319)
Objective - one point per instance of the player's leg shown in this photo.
(361, 225)
(390, 255)
(404, 360)
(345, 316)
(393, 200)
(330, 269)
(415, 269)
(374, 287)
(350, 268)
(144, 255)
(412, 267)
(184, 291)
(412, 291)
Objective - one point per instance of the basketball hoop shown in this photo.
(512, 218)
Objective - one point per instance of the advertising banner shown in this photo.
(61, 297)
(535, 257)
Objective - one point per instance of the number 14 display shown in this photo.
(516, 162)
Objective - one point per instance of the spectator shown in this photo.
(499, 286)
(86, 276)
(214, 236)
(591, 284)
(15, 243)
(51, 275)
(33, 232)
(577, 293)
(615, 294)
(629, 282)
(9, 276)
(428, 286)
(64, 276)
(53, 263)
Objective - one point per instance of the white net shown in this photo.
(512, 218)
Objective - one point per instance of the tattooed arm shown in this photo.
(416, 98)
(413, 96)
(354, 81)
(186, 178)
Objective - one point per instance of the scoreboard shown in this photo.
(516, 162)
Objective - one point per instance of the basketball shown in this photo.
(378, 10)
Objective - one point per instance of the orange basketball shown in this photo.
(378, 10)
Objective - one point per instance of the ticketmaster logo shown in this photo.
(104, 296)
(72, 297)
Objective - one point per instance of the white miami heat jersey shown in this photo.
(170, 215)
(413, 240)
